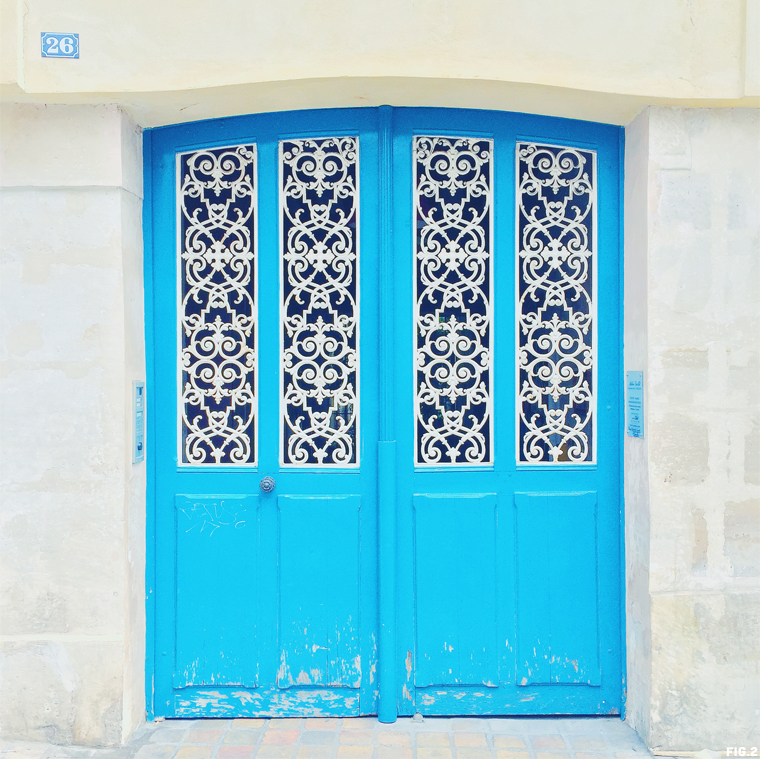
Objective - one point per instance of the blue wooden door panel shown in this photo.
(319, 591)
(589, 537)
(455, 589)
(507, 577)
(557, 589)
(275, 550)
(217, 539)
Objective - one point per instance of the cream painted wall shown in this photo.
(693, 484)
(72, 505)
(167, 61)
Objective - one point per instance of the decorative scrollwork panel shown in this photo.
(319, 203)
(453, 199)
(556, 231)
(217, 309)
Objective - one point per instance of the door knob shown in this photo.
(267, 484)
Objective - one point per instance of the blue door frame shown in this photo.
(495, 557)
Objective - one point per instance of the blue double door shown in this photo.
(385, 420)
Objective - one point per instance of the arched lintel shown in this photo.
(155, 109)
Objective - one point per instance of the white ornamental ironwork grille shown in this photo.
(319, 205)
(217, 307)
(453, 201)
(556, 320)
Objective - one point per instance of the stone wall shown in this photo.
(72, 514)
(72, 508)
(692, 485)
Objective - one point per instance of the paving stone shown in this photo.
(470, 740)
(279, 737)
(394, 752)
(357, 738)
(433, 752)
(316, 751)
(320, 723)
(249, 722)
(548, 742)
(167, 735)
(434, 724)
(354, 724)
(194, 751)
(509, 742)
(430, 739)
(235, 752)
(591, 754)
(394, 739)
(358, 752)
(204, 735)
(551, 754)
(312, 738)
(506, 753)
(242, 737)
(276, 751)
(588, 743)
(467, 724)
(582, 725)
(507, 726)
(156, 750)
(285, 723)
(474, 752)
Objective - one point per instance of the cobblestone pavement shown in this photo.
(364, 738)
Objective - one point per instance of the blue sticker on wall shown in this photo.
(55, 45)
(634, 404)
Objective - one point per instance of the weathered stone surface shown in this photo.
(72, 506)
(692, 496)
(62, 692)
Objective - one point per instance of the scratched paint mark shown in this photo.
(427, 699)
(358, 666)
(524, 681)
(405, 691)
(209, 516)
(409, 665)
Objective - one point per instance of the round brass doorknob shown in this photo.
(267, 484)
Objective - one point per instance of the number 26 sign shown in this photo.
(60, 45)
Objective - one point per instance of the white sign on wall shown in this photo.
(634, 404)
(138, 422)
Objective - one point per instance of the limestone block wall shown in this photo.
(693, 484)
(72, 506)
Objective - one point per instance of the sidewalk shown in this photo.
(363, 738)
